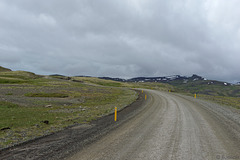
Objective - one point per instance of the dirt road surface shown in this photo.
(171, 126)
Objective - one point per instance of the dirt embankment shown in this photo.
(72, 139)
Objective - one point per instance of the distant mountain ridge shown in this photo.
(192, 84)
(174, 79)
(165, 79)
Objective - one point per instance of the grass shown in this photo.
(2, 69)
(152, 85)
(75, 100)
(26, 123)
(208, 88)
(98, 81)
(110, 83)
(4, 80)
(56, 95)
(15, 116)
(17, 77)
(223, 100)
(76, 103)
(211, 90)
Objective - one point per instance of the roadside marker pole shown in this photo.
(145, 97)
(195, 95)
(115, 116)
(142, 91)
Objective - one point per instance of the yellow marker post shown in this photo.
(195, 95)
(145, 97)
(142, 91)
(115, 116)
(169, 90)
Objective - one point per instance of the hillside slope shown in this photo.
(2, 69)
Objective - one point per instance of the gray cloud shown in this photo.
(124, 38)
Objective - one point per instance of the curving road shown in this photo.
(171, 126)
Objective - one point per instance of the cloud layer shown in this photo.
(122, 38)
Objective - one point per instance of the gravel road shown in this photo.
(171, 126)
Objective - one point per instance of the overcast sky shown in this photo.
(122, 38)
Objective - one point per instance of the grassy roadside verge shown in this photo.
(26, 123)
(216, 90)
(222, 100)
(37, 106)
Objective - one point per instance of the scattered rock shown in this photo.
(5, 128)
(48, 106)
(46, 122)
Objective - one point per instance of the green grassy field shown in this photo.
(56, 95)
(32, 105)
(223, 100)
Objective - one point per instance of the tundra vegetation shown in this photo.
(219, 92)
(32, 105)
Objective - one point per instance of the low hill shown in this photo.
(17, 77)
(2, 69)
(33, 105)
